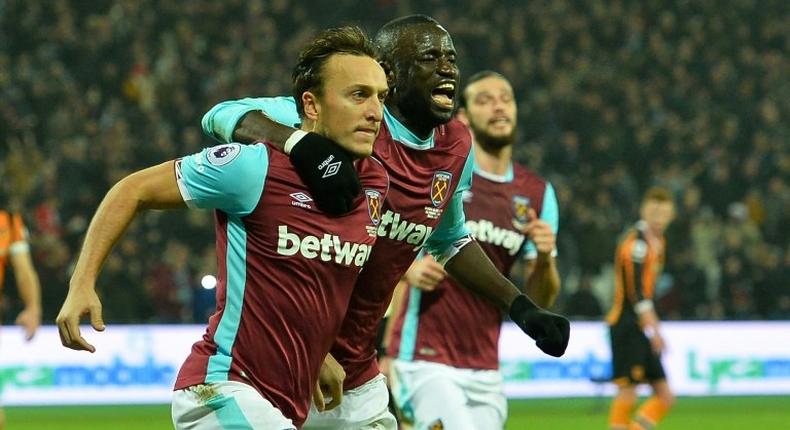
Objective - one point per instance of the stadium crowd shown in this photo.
(614, 96)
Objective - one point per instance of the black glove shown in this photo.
(550, 331)
(328, 172)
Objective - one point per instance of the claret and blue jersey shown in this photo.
(286, 270)
(424, 209)
(497, 209)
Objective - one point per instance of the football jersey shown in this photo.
(637, 267)
(424, 209)
(452, 325)
(286, 270)
(13, 239)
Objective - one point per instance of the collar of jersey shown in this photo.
(403, 135)
(507, 177)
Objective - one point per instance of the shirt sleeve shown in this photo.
(452, 226)
(227, 177)
(18, 242)
(221, 120)
(550, 214)
(635, 258)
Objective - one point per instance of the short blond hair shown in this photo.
(658, 194)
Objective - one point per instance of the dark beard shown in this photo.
(493, 144)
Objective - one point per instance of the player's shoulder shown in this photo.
(453, 137)
(372, 173)
(525, 174)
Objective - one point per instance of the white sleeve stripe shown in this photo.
(643, 306)
(182, 186)
(453, 249)
(19, 247)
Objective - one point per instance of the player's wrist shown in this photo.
(521, 305)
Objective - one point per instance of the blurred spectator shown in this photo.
(583, 304)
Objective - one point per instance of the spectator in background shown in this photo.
(583, 304)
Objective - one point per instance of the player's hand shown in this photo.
(540, 233)
(328, 172)
(29, 319)
(385, 366)
(657, 343)
(550, 331)
(81, 300)
(425, 274)
(329, 384)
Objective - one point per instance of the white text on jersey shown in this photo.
(413, 234)
(486, 231)
(329, 247)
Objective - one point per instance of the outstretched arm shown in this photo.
(152, 188)
(472, 269)
(324, 166)
(256, 126)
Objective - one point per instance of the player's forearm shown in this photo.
(256, 126)
(543, 281)
(110, 221)
(27, 281)
(648, 320)
(472, 268)
(152, 188)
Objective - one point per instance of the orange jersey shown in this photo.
(638, 263)
(13, 238)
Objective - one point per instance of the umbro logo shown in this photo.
(331, 168)
(301, 197)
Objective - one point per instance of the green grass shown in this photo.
(710, 413)
(706, 413)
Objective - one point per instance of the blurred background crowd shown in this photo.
(613, 96)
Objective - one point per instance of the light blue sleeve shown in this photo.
(228, 177)
(221, 120)
(452, 226)
(549, 213)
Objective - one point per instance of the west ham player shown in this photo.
(446, 369)
(428, 157)
(286, 270)
(636, 340)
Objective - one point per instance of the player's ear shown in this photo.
(389, 72)
(461, 115)
(312, 108)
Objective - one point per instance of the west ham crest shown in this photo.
(374, 205)
(520, 210)
(440, 187)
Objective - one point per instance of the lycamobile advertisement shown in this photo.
(702, 359)
(138, 364)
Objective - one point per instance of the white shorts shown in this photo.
(363, 408)
(434, 395)
(225, 405)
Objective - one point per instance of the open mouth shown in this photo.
(444, 95)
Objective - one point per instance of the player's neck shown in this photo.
(495, 161)
(418, 128)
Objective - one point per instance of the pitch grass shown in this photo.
(711, 413)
